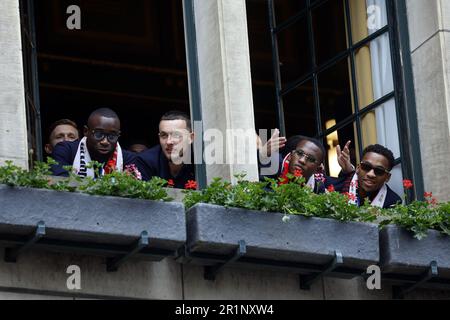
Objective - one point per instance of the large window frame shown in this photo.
(403, 93)
(35, 141)
(402, 72)
(31, 82)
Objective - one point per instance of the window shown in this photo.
(127, 56)
(30, 75)
(332, 74)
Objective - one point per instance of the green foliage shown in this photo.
(419, 216)
(294, 198)
(15, 176)
(120, 184)
(271, 196)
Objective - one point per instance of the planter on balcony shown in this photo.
(402, 254)
(91, 224)
(215, 231)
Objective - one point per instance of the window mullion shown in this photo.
(353, 76)
(314, 67)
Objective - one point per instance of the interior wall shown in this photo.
(129, 56)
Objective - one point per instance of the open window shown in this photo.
(128, 55)
(324, 68)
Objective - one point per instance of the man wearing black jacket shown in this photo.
(100, 143)
(170, 159)
(370, 179)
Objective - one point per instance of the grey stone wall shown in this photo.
(429, 31)
(225, 83)
(13, 127)
(42, 275)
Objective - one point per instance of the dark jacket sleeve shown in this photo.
(64, 154)
(145, 164)
(128, 158)
(340, 183)
(392, 198)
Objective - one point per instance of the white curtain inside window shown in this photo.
(386, 117)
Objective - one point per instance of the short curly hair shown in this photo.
(377, 148)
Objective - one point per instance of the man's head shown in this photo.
(59, 131)
(307, 155)
(374, 169)
(138, 146)
(175, 134)
(102, 132)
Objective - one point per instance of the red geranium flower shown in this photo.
(191, 184)
(407, 184)
(350, 196)
(298, 173)
(428, 195)
(170, 183)
(331, 188)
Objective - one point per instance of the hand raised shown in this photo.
(344, 158)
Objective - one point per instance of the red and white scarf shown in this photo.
(378, 201)
(82, 158)
(311, 183)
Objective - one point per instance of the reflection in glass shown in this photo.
(339, 137)
(374, 71)
(367, 17)
(335, 93)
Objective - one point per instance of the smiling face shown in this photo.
(367, 179)
(306, 157)
(174, 137)
(101, 149)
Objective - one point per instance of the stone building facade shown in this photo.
(220, 81)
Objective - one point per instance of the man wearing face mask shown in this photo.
(61, 130)
(100, 143)
(370, 179)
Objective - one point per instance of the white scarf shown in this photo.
(311, 182)
(378, 201)
(82, 158)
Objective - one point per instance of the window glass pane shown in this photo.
(299, 111)
(295, 57)
(380, 126)
(265, 104)
(396, 181)
(287, 9)
(335, 93)
(329, 30)
(260, 41)
(339, 137)
(367, 16)
(374, 71)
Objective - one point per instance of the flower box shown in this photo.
(216, 230)
(403, 254)
(90, 222)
